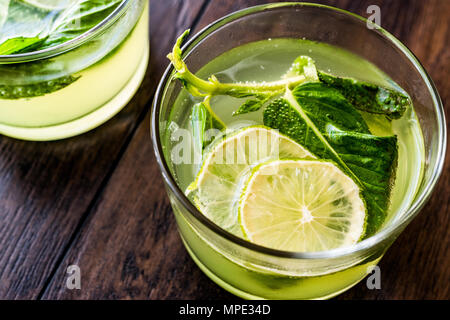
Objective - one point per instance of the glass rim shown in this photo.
(420, 198)
(71, 44)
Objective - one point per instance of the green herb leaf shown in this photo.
(248, 106)
(19, 45)
(25, 22)
(369, 97)
(29, 28)
(305, 66)
(35, 89)
(321, 119)
(203, 119)
(78, 19)
(198, 122)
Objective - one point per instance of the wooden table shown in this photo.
(98, 200)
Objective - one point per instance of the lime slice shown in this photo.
(50, 5)
(217, 188)
(303, 206)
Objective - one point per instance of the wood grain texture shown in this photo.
(127, 245)
(47, 189)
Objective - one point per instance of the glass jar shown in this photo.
(74, 87)
(255, 272)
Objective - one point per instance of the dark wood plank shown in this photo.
(129, 247)
(46, 188)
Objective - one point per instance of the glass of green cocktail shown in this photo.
(296, 144)
(68, 66)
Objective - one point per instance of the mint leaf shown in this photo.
(36, 89)
(198, 122)
(85, 15)
(303, 65)
(19, 45)
(253, 105)
(321, 119)
(202, 120)
(25, 23)
(78, 19)
(369, 97)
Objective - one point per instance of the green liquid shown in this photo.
(268, 61)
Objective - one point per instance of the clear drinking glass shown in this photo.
(252, 271)
(71, 88)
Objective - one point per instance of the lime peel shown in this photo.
(301, 205)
